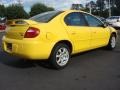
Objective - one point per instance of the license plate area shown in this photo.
(9, 46)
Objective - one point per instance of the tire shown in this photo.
(60, 56)
(112, 42)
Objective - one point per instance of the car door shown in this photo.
(79, 34)
(100, 33)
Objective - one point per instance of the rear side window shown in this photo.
(75, 19)
(45, 17)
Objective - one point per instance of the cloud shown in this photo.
(57, 4)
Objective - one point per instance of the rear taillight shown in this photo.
(32, 33)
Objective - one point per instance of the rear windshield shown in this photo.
(45, 17)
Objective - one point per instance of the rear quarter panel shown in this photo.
(51, 33)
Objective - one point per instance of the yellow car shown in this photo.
(56, 35)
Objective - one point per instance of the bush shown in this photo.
(39, 8)
(16, 12)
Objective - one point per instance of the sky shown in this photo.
(57, 4)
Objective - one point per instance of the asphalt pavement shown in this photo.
(94, 70)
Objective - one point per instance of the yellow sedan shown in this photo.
(56, 35)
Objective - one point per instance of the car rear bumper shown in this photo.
(27, 49)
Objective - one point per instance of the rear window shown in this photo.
(45, 17)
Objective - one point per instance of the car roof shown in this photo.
(75, 11)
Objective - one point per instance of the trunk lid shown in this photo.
(17, 28)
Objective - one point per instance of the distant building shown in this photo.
(76, 6)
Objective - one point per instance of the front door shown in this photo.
(100, 33)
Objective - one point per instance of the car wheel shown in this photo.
(112, 42)
(60, 56)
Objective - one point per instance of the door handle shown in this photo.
(73, 33)
(94, 32)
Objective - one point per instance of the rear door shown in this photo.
(78, 31)
(100, 33)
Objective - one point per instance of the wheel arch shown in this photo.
(66, 42)
(114, 33)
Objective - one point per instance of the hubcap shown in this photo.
(113, 42)
(62, 56)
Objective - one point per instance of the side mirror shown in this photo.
(118, 20)
(105, 24)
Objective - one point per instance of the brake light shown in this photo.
(32, 33)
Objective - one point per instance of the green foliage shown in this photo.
(103, 11)
(85, 9)
(16, 12)
(117, 11)
(2, 11)
(39, 8)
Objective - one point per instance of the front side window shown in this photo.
(92, 21)
(75, 19)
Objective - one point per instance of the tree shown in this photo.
(91, 5)
(117, 2)
(103, 7)
(16, 12)
(2, 11)
(39, 8)
(117, 6)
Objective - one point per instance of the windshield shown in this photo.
(45, 17)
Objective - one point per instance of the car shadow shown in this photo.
(116, 50)
(87, 52)
(16, 62)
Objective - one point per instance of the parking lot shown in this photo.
(94, 70)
